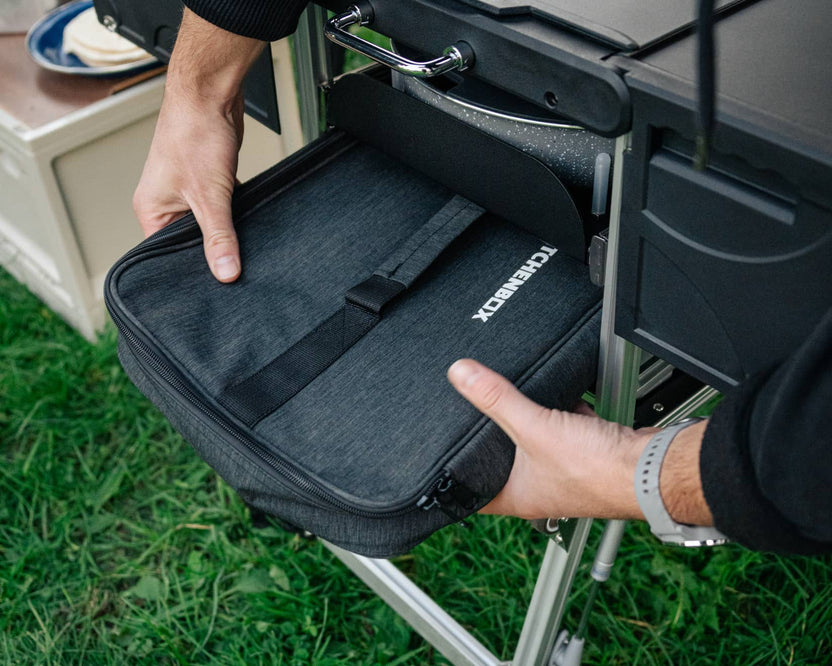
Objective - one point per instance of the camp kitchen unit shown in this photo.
(710, 273)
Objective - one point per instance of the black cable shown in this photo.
(707, 83)
(584, 621)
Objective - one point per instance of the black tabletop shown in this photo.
(774, 56)
(625, 24)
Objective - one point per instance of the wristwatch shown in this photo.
(650, 499)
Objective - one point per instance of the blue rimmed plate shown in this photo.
(44, 42)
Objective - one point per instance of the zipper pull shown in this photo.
(450, 497)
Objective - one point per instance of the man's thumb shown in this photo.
(220, 241)
(496, 397)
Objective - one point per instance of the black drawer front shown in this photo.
(556, 68)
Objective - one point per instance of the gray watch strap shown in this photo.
(650, 499)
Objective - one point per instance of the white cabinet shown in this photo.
(66, 181)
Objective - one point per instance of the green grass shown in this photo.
(119, 546)
(353, 60)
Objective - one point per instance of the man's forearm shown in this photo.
(208, 63)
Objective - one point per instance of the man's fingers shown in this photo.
(150, 227)
(219, 240)
(496, 397)
(151, 218)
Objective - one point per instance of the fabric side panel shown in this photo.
(240, 471)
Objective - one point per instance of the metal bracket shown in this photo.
(568, 651)
(560, 530)
(598, 257)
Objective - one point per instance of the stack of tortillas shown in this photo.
(96, 46)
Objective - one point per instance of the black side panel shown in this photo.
(261, 99)
(721, 272)
(497, 176)
(724, 272)
(153, 24)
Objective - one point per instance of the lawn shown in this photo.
(119, 546)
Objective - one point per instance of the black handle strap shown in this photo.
(257, 396)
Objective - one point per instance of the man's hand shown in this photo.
(192, 163)
(576, 464)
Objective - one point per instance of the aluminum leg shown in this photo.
(618, 369)
(619, 360)
(418, 609)
(551, 593)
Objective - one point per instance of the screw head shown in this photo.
(658, 407)
(109, 22)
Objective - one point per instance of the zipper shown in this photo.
(184, 227)
(451, 497)
(437, 488)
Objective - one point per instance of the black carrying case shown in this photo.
(315, 385)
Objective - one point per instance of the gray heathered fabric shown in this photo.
(270, 386)
(291, 249)
(382, 422)
(483, 464)
(405, 399)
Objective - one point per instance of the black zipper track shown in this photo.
(288, 472)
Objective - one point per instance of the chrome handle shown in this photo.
(459, 56)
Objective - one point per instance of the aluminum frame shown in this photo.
(618, 376)
(312, 71)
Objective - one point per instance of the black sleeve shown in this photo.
(261, 19)
(766, 460)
